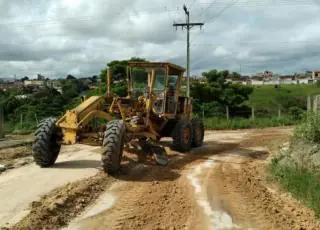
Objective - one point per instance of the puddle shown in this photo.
(106, 201)
(218, 218)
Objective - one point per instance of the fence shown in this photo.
(290, 106)
(22, 124)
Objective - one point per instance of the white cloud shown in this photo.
(57, 37)
(221, 52)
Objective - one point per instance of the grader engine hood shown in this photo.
(78, 118)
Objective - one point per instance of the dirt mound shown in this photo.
(57, 208)
(9, 154)
(283, 211)
(15, 157)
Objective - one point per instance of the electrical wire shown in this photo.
(215, 17)
(191, 5)
(201, 13)
(286, 2)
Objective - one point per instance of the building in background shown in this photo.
(315, 75)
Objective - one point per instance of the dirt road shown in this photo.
(20, 187)
(222, 185)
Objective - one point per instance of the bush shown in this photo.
(296, 112)
(309, 129)
(297, 168)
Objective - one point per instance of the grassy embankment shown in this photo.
(266, 101)
(297, 168)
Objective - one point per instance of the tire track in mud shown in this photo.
(155, 198)
(232, 191)
(148, 202)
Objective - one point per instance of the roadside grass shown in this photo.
(303, 184)
(297, 168)
(16, 128)
(219, 123)
(266, 96)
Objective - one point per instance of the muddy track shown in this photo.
(151, 196)
(222, 185)
(57, 208)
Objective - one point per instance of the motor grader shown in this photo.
(154, 107)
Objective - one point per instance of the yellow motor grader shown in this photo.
(154, 108)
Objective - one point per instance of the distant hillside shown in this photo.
(268, 98)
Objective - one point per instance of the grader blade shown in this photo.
(161, 159)
(156, 151)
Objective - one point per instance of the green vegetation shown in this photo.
(302, 184)
(297, 168)
(219, 123)
(267, 99)
(212, 96)
(22, 114)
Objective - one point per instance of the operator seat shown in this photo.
(170, 100)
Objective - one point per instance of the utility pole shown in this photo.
(188, 25)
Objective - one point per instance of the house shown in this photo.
(35, 83)
(271, 82)
(267, 74)
(316, 75)
(304, 81)
(287, 80)
(255, 82)
(11, 84)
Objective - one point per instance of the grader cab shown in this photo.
(154, 108)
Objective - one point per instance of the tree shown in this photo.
(118, 69)
(24, 78)
(94, 79)
(70, 77)
(236, 76)
(215, 94)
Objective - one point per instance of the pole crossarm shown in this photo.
(191, 24)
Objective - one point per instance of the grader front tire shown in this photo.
(46, 146)
(182, 136)
(113, 146)
(198, 132)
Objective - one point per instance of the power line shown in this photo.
(215, 17)
(304, 2)
(207, 7)
(257, 43)
(191, 5)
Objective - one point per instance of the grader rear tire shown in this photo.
(46, 146)
(198, 132)
(182, 136)
(113, 146)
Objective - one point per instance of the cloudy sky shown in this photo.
(59, 37)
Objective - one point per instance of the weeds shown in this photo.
(242, 123)
(302, 184)
(298, 168)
